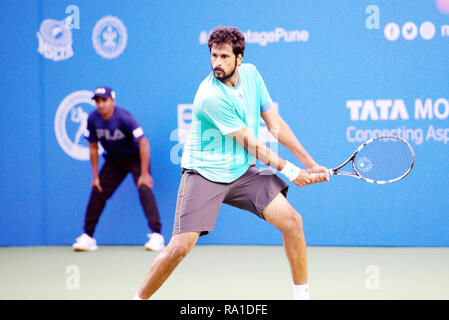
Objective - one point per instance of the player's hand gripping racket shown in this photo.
(380, 160)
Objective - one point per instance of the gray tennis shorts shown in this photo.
(199, 199)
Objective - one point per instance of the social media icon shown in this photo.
(392, 31)
(427, 30)
(409, 31)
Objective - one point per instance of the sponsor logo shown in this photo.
(386, 111)
(109, 37)
(107, 135)
(184, 122)
(55, 39)
(71, 124)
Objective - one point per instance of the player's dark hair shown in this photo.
(232, 35)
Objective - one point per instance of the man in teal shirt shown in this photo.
(218, 163)
(218, 110)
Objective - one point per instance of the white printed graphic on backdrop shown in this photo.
(109, 37)
(409, 31)
(185, 122)
(424, 120)
(55, 39)
(263, 38)
(71, 124)
(392, 31)
(427, 30)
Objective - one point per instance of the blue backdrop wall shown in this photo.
(339, 71)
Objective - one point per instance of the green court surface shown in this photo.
(225, 272)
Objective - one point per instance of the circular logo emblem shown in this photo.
(109, 37)
(71, 124)
(409, 31)
(55, 40)
(392, 31)
(427, 30)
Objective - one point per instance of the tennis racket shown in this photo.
(379, 160)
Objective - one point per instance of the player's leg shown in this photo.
(110, 178)
(150, 208)
(166, 262)
(263, 193)
(146, 197)
(284, 217)
(156, 240)
(111, 175)
(197, 207)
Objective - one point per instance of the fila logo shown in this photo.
(106, 134)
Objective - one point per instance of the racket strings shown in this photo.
(384, 159)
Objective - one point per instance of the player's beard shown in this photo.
(225, 76)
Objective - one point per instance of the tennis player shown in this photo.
(218, 163)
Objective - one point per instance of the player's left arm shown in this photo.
(282, 132)
(267, 156)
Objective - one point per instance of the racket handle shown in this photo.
(331, 173)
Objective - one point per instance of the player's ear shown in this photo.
(239, 59)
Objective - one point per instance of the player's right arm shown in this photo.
(93, 152)
(282, 132)
(267, 156)
(223, 116)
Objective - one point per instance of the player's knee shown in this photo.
(179, 250)
(143, 188)
(101, 195)
(294, 223)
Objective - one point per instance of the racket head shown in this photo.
(381, 160)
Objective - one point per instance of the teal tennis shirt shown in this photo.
(218, 110)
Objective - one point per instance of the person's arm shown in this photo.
(267, 156)
(144, 152)
(282, 132)
(93, 153)
(224, 117)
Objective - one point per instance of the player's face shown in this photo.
(223, 61)
(105, 107)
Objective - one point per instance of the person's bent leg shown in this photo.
(146, 196)
(149, 205)
(110, 178)
(283, 216)
(166, 262)
(197, 207)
